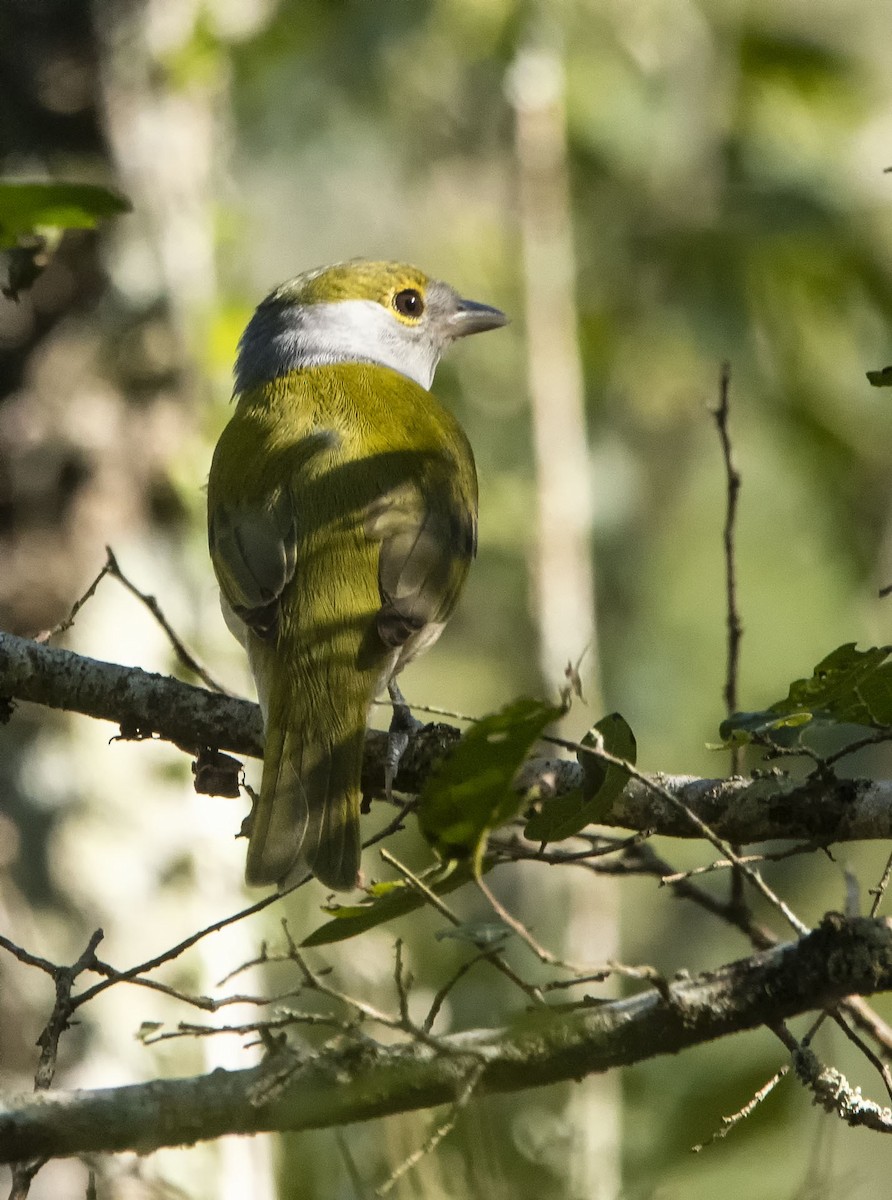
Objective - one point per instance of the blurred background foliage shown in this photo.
(726, 200)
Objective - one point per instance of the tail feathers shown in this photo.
(307, 814)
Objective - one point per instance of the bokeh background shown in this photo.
(648, 188)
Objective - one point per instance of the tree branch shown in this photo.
(142, 704)
(361, 1080)
(822, 809)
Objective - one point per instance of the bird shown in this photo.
(342, 521)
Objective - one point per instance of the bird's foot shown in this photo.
(401, 726)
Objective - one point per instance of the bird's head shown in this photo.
(387, 313)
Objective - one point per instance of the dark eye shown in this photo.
(408, 302)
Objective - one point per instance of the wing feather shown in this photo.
(424, 557)
(254, 550)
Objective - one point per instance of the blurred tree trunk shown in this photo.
(563, 567)
(98, 398)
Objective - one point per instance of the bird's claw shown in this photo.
(401, 726)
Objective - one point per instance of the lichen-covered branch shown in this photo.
(823, 810)
(140, 703)
(361, 1080)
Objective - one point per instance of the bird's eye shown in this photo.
(408, 303)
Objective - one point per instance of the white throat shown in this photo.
(283, 339)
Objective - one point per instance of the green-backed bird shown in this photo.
(342, 519)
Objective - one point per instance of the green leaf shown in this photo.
(28, 208)
(602, 783)
(472, 792)
(482, 934)
(848, 687)
(881, 378)
(743, 727)
(392, 899)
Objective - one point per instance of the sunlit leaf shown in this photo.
(390, 900)
(28, 208)
(849, 686)
(471, 792)
(602, 782)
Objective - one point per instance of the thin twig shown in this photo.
(881, 1067)
(515, 850)
(521, 930)
(437, 1136)
(186, 657)
(284, 1021)
(65, 625)
(350, 1164)
(723, 864)
(433, 711)
(732, 618)
(880, 890)
(439, 999)
(495, 957)
(185, 944)
(23, 1176)
(403, 982)
(204, 1003)
(644, 860)
(729, 1123)
(30, 960)
(313, 982)
(654, 786)
(734, 624)
(393, 826)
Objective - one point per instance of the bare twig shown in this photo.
(175, 951)
(644, 860)
(362, 1008)
(394, 826)
(880, 890)
(521, 930)
(730, 1123)
(732, 478)
(447, 987)
(881, 1067)
(64, 978)
(403, 983)
(658, 789)
(65, 625)
(113, 569)
(205, 1003)
(515, 850)
(350, 1165)
(63, 1009)
(473, 1078)
(283, 1021)
(186, 657)
(432, 711)
(724, 863)
(23, 1176)
(733, 622)
(495, 956)
(30, 960)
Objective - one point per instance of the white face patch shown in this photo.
(282, 339)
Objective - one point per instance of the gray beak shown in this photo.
(471, 317)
